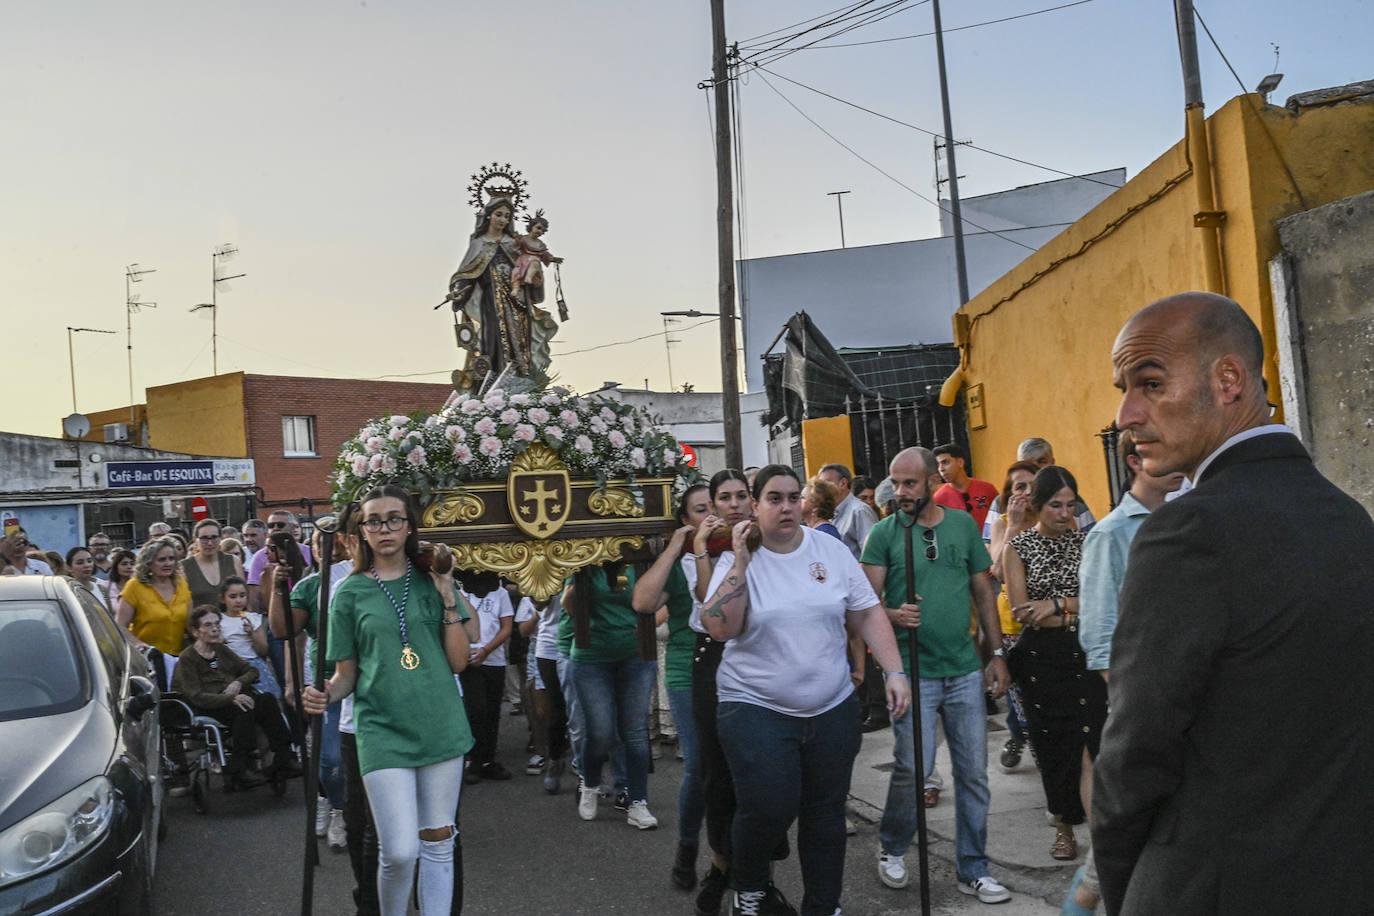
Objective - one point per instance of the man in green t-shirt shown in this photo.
(950, 565)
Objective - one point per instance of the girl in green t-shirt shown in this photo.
(396, 636)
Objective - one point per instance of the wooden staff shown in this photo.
(913, 645)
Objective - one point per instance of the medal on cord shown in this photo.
(410, 659)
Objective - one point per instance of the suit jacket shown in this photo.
(1236, 772)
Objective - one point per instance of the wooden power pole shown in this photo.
(725, 244)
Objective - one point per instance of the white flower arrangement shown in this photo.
(477, 439)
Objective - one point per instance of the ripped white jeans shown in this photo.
(405, 801)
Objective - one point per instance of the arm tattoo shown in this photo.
(716, 608)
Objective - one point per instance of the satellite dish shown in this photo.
(76, 426)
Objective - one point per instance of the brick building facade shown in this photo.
(291, 427)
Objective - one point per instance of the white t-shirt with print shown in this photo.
(791, 657)
(490, 610)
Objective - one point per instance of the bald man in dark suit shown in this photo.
(1236, 772)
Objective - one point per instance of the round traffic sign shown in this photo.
(689, 455)
(200, 509)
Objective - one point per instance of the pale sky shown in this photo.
(332, 143)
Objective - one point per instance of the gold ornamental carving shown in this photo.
(539, 491)
(539, 568)
(451, 508)
(615, 501)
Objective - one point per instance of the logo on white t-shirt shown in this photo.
(818, 572)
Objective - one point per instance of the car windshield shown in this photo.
(39, 671)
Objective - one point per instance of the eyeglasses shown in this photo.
(208, 625)
(932, 548)
(394, 523)
(275, 525)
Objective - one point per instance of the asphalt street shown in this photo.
(524, 852)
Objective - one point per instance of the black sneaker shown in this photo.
(1011, 754)
(712, 892)
(748, 903)
(470, 775)
(622, 800)
(685, 867)
(494, 770)
(774, 903)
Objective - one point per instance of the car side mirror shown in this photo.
(143, 696)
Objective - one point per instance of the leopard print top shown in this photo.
(1051, 563)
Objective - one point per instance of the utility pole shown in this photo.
(725, 244)
(960, 264)
(668, 349)
(221, 253)
(839, 202)
(133, 274)
(1207, 218)
(71, 355)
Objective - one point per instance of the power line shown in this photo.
(850, 13)
(843, 10)
(880, 171)
(932, 133)
(620, 343)
(960, 28)
(868, 19)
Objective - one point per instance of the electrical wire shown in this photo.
(960, 28)
(870, 18)
(621, 343)
(850, 13)
(885, 174)
(932, 133)
(771, 32)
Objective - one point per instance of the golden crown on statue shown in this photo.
(497, 180)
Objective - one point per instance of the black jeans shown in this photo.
(717, 786)
(243, 740)
(362, 835)
(483, 687)
(557, 726)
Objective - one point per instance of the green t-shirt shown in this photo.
(682, 639)
(612, 620)
(565, 633)
(306, 596)
(947, 649)
(403, 718)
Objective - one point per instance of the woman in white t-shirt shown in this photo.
(788, 718)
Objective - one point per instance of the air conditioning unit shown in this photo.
(116, 432)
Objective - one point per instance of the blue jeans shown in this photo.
(331, 757)
(691, 802)
(960, 700)
(790, 768)
(613, 699)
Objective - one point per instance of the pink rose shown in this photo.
(359, 465)
(495, 399)
(539, 415)
(617, 439)
(388, 464)
(524, 432)
(669, 457)
(485, 426)
(375, 444)
(627, 424)
(550, 399)
(509, 416)
(416, 457)
(398, 419)
(462, 454)
(638, 458)
(553, 432)
(396, 434)
(583, 445)
(569, 419)
(520, 400)
(367, 432)
(374, 463)
(455, 434)
(472, 406)
(607, 414)
(490, 446)
(598, 426)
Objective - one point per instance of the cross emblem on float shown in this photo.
(538, 493)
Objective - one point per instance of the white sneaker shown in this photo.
(586, 801)
(535, 766)
(892, 870)
(338, 836)
(321, 817)
(638, 816)
(985, 889)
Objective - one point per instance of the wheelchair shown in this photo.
(193, 745)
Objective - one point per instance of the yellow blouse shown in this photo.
(155, 621)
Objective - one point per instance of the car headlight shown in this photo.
(57, 832)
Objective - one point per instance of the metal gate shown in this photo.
(881, 427)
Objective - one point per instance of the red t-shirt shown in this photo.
(975, 500)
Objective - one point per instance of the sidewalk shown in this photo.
(1019, 836)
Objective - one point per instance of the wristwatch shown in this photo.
(999, 652)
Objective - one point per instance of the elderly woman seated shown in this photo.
(216, 683)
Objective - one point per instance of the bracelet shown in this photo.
(450, 621)
(887, 674)
(1058, 606)
(701, 556)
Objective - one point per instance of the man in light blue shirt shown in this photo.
(1100, 575)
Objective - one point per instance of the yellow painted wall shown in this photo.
(100, 418)
(826, 440)
(1041, 335)
(202, 416)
